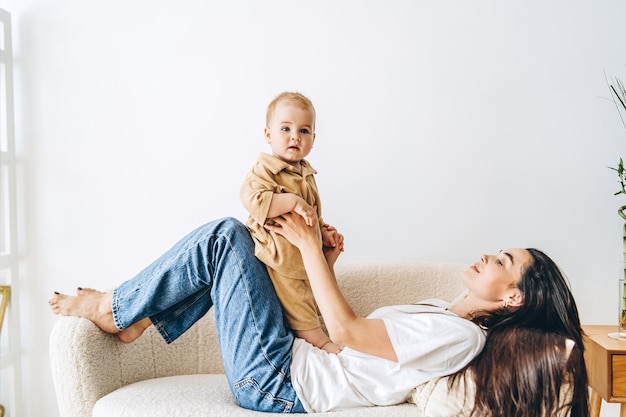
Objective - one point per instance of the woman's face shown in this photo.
(495, 277)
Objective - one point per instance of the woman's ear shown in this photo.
(514, 298)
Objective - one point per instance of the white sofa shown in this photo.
(94, 374)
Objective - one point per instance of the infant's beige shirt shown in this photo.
(270, 175)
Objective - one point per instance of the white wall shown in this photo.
(445, 129)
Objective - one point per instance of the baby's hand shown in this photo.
(307, 212)
(332, 347)
(331, 237)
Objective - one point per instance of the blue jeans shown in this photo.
(214, 266)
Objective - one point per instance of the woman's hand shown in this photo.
(293, 227)
(345, 328)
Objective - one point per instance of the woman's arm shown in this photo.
(344, 326)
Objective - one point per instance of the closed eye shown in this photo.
(508, 256)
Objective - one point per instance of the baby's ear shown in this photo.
(267, 135)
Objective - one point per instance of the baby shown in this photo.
(281, 183)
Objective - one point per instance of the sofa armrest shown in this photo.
(88, 363)
(84, 364)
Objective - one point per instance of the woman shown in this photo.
(384, 355)
(535, 333)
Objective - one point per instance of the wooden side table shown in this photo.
(606, 367)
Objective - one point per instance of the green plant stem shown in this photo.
(623, 301)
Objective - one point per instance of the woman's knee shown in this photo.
(236, 230)
(224, 226)
(233, 231)
(232, 223)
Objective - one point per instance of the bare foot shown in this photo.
(84, 291)
(133, 332)
(91, 304)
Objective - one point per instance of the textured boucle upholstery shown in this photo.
(199, 396)
(95, 374)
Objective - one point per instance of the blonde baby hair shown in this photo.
(295, 98)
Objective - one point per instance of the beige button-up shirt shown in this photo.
(270, 175)
(284, 263)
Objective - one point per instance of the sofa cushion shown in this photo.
(201, 395)
(435, 398)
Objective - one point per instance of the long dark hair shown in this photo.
(521, 368)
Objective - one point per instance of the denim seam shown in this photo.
(159, 328)
(115, 309)
(160, 324)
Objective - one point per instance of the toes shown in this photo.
(54, 298)
(58, 302)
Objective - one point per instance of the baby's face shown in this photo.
(290, 132)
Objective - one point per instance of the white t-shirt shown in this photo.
(429, 341)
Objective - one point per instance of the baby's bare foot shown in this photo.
(133, 332)
(92, 305)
